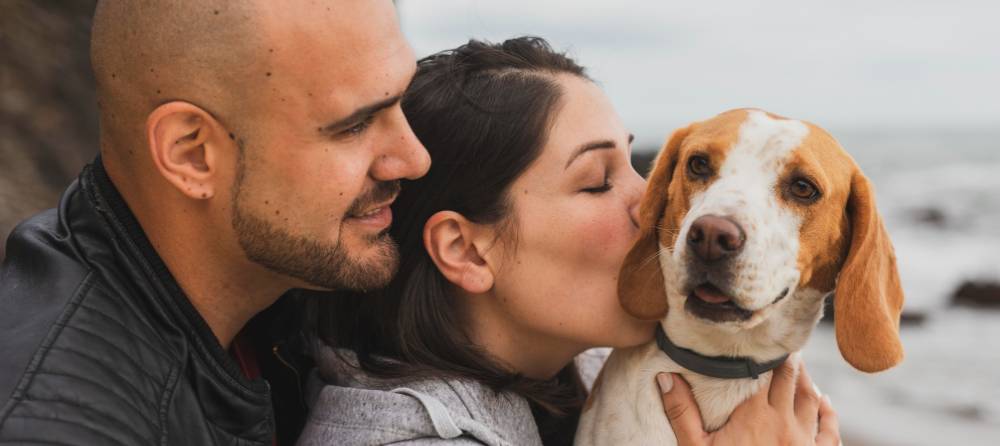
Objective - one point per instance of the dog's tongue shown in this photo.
(711, 294)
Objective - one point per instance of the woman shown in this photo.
(510, 249)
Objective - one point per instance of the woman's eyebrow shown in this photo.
(594, 145)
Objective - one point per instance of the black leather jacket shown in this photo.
(99, 345)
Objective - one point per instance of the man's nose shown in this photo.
(713, 238)
(404, 155)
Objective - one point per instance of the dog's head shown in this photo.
(753, 220)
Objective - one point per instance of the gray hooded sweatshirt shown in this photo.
(351, 408)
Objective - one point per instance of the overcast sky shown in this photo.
(845, 64)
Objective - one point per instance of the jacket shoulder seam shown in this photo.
(28, 376)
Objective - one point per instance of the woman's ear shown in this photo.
(451, 242)
(185, 142)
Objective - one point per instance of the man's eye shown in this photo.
(360, 127)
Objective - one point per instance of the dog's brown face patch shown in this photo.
(824, 236)
(709, 140)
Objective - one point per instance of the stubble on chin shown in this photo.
(325, 265)
(322, 264)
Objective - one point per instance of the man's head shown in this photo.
(275, 125)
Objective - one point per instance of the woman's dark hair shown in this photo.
(483, 111)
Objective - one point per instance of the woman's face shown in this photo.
(574, 219)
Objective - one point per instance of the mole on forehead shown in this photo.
(766, 139)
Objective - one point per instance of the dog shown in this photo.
(749, 221)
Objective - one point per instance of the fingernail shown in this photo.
(665, 381)
(827, 398)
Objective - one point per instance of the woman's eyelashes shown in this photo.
(603, 187)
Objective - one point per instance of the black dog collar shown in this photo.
(716, 367)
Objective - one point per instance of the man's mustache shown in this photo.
(381, 193)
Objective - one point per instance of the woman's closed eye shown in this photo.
(599, 189)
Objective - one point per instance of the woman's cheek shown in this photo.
(605, 237)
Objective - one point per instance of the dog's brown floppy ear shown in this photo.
(641, 290)
(869, 297)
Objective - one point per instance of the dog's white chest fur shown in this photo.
(627, 408)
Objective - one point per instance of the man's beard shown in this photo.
(322, 264)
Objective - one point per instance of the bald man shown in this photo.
(247, 148)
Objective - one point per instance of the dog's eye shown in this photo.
(803, 190)
(698, 166)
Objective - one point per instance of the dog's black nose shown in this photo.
(713, 238)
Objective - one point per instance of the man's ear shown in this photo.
(185, 142)
(451, 241)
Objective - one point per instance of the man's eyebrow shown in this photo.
(360, 114)
(595, 145)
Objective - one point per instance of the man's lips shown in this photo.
(379, 215)
(371, 209)
(369, 212)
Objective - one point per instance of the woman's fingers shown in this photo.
(681, 410)
(782, 389)
(829, 426)
(806, 401)
(756, 402)
(790, 411)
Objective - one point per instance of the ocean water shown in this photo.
(939, 192)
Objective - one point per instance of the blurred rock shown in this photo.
(642, 160)
(930, 216)
(912, 318)
(828, 310)
(48, 114)
(909, 318)
(969, 412)
(979, 294)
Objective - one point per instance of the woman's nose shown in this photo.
(633, 213)
(637, 186)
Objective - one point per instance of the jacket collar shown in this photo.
(136, 245)
(714, 366)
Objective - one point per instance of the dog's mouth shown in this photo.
(707, 301)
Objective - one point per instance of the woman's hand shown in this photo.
(788, 413)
